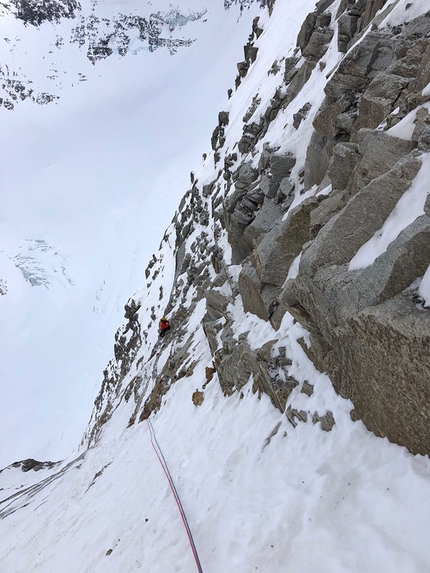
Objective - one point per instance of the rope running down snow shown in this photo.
(163, 463)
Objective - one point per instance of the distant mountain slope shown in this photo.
(87, 183)
(69, 24)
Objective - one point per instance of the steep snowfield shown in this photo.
(96, 176)
(259, 494)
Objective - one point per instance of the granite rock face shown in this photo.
(295, 217)
(366, 331)
(358, 319)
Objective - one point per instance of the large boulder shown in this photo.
(371, 337)
(250, 290)
(345, 158)
(281, 165)
(273, 257)
(379, 153)
(339, 240)
(385, 371)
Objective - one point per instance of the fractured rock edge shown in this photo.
(366, 331)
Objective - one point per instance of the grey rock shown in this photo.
(327, 420)
(421, 132)
(422, 120)
(368, 334)
(389, 343)
(368, 10)
(274, 255)
(306, 30)
(323, 19)
(211, 329)
(345, 158)
(405, 259)
(307, 388)
(346, 120)
(223, 117)
(247, 174)
(250, 291)
(207, 190)
(418, 60)
(277, 316)
(347, 27)
(242, 68)
(220, 279)
(325, 211)
(317, 160)
(427, 206)
(380, 99)
(380, 152)
(342, 236)
(301, 115)
(31, 464)
(322, 5)
(256, 197)
(249, 203)
(290, 69)
(294, 416)
(243, 215)
(131, 308)
(251, 54)
(281, 165)
(334, 114)
(418, 27)
(256, 100)
(298, 80)
(265, 186)
(355, 72)
(216, 304)
(286, 187)
(284, 195)
(236, 367)
(424, 138)
(318, 43)
(264, 220)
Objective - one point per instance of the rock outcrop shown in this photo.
(295, 217)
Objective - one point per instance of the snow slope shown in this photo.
(258, 493)
(95, 176)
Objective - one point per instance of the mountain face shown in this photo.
(315, 196)
(88, 176)
(295, 275)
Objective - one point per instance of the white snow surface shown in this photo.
(259, 494)
(403, 11)
(96, 176)
(405, 128)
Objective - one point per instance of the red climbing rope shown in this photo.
(165, 467)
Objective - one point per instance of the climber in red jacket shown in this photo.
(164, 326)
